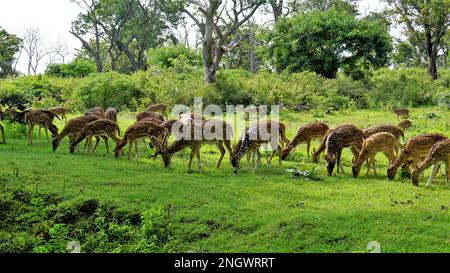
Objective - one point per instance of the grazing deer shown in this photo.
(440, 152)
(314, 130)
(72, 128)
(214, 126)
(405, 124)
(146, 114)
(380, 142)
(253, 137)
(340, 138)
(16, 116)
(42, 118)
(160, 108)
(59, 111)
(141, 129)
(394, 130)
(416, 149)
(401, 112)
(97, 111)
(100, 127)
(2, 131)
(111, 114)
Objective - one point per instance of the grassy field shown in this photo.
(217, 211)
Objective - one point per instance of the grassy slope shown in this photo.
(268, 211)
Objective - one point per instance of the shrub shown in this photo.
(170, 56)
(78, 68)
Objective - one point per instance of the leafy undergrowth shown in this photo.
(42, 223)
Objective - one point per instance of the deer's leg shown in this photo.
(248, 159)
(30, 134)
(308, 146)
(46, 134)
(253, 160)
(199, 163)
(136, 151)
(191, 156)
(447, 170)
(107, 144)
(433, 173)
(339, 161)
(39, 134)
(97, 141)
(130, 145)
(222, 153)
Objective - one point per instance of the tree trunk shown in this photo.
(431, 55)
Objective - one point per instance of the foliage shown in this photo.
(169, 56)
(326, 41)
(77, 69)
(9, 45)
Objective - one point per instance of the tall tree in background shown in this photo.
(9, 45)
(218, 21)
(428, 21)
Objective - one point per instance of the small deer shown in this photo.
(160, 108)
(42, 118)
(307, 133)
(111, 114)
(72, 128)
(340, 138)
(212, 126)
(394, 130)
(148, 114)
(405, 124)
(380, 142)
(60, 111)
(401, 112)
(253, 137)
(415, 150)
(440, 152)
(97, 111)
(141, 129)
(100, 127)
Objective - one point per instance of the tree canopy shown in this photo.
(9, 45)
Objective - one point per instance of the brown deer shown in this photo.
(380, 142)
(100, 127)
(307, 133)
(160, 108)
(416, 150)
(72, 128)
(401, 112)
(214, 126)
(2, 131)
(340, 138)
(147, 114)
(60, 111)
(440, 152)
(253, 137)
(405, 124)
(141, 129)
(394, 130)
(97, 111)
(111, 114)
(42, 118)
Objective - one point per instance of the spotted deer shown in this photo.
(405, 124)
(265, 132)
(72, 128)
(60, 111)
(394, 130)
(147, 114)
(340, 138)
(42, 118)
(440, 152)
(160, 108)
(111, 114)
(380, 142)
(142, 129)
(214, 127)
(97, 111)
(416, 150)
(100, 127)
(305, 134)
(401, 112)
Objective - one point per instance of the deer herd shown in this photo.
(419, 153)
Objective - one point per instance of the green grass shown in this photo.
(266, 211)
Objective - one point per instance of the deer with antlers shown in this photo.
(102, 128)
(145, 128)
(342, 137)
(440, 152)
(160, 108)
(416, 149)
(59, 111)
(380, 142)
(72, 128)
(307, 133)
(212, 131)
(401, 112)
(264, 132)
(42, 118)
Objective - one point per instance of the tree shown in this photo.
(349, 6)
(36, 50)
(9, 45)
(428, 17)
(218, 21)
(325, 42)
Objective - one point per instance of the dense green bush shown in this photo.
(170, 56)
(78, 68)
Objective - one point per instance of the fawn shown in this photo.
(439, 152)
